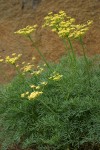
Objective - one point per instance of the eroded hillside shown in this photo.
(12, 18)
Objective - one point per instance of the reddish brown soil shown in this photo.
(13, 18)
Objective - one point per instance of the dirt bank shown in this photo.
(12, 18)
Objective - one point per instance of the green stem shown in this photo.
(39, 52)
(64, 41)
(85, 58)
(67, 49)
(83, 48)
(71, 46)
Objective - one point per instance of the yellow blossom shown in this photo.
(89, 22)
(33, 58)
(79, 30)
(34, 95)
(38, 87)
(27, 68)
(64, 25)
(32, 86)
(27, 31)
(13, 54)
(27, 93)
(17, 66)
(50, 13)
(38, 66)
(56, 76)
(1, 60)
(12, 60)
(23, 62)
(19, 55)
(44, 83)
(38, 72)
(44, 65)
(23, 95)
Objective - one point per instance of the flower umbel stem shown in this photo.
(39, 52)
(72, 49)
(67, 49)
(83, 48)
(86, 60)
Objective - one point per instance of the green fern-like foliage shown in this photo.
(65, 116)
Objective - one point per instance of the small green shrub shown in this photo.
(56, 106)
(66, 116)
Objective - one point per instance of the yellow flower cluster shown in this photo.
(53, 20)
(39, 86)
(24, 94)
(56, 76)
(26, 31)
(23, 67)
(38, 72)
(1, 59)
(64, 25)
(33, 58)
(11, 60)
(80, 30)
(43, 83)
(35, 93)
(32, 95)
(14, 59)
(27, 68)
